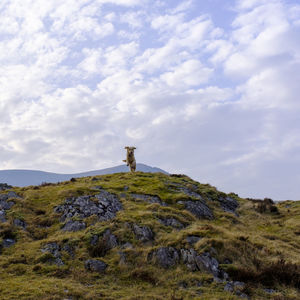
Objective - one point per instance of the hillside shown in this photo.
(35, 177)
(145, 236)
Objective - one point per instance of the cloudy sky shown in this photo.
(209, 88)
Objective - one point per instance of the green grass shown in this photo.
(254, 242)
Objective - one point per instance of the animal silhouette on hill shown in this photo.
(130, 159)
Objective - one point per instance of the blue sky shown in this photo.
(209, 88)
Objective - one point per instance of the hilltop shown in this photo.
(145, 236)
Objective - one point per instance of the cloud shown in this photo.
(79, 80)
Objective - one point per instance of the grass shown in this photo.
(262, 243)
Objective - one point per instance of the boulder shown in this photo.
(193, 239)
(171, 222)
(73, 226)
(2, 216)
(143, 233)
(20, 223)
(228, 204)
(198, 208)
(94, 265)
(104, 205)
(166, 257)
(8, 242)
(54, 249)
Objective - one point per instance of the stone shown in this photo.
(166, 257)
(171, 222)
(148, 198)
(193, 239)
(104, 205)
(269, 291)
(127, 246)
(109, 240)
(20, 223)
(198, 209)
(94, 265)
(54, 249)
(229, 287)
(4, 186)
(143, 233)
(228, 204)
(73, 226)
(2, 216)
(8, 242)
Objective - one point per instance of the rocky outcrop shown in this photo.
(171, 222)
(100, 245)
(71, 225)
(168, 257)
(6, 204)
(143, 233)
(4, 186)
(94, 265)
(165, 256)
(104, 205)
(228, 204)
(54, 249)
(20, 223)
(198, 208)
(148, 198)
(193, 239)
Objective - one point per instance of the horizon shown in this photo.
(204, 88)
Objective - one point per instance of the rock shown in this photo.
(122, 257)
(193, 239)
(165, 256)
(109, 240)
(54, 249)
(4, 186)
(127, 246)
(69, 249)
(105, 207)
(229, 287)
(101, 245)
(143, 233)
(20, 223)
(73, 226)
(4, 205)
(198, 209)
(2, 216)
(8, 242)
(228, 204)
(171, 222)
(126, 188)
(94, 265)
(269, 291)
(148, 198)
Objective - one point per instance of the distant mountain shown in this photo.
(33, 177)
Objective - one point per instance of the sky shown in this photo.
(207, 88)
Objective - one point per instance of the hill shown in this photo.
(145, 236)
(34, 177)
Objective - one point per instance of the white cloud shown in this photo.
(79, 80)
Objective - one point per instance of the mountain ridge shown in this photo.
(23, 177)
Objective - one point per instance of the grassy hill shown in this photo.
(145, 236)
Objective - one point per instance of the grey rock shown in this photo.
(8, 242)
(4, 186)
(127, 246)
(94, 265)
(229, 287)
(109, 239)
(143, 233)
(269, 291)
(105, 207)
(165, 256)
(171, 222)
(6, 205)
(20, 223)
(69, 249)
(2, 216)
(228, 204)
(198, 209)
(189, 191)
(73, 226)
(193, 239)
(148, 198)
(54, 249)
